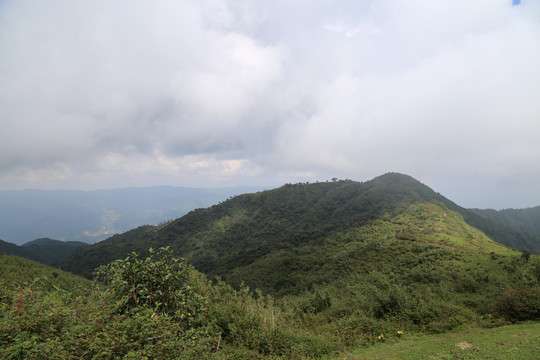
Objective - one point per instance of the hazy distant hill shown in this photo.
(45, 251)
(91, 216)
(247, 228)
(522, 220)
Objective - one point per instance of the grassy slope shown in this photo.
(519, 342)
(418, 269)
(15, 270)
(410, 244)
(242, 230)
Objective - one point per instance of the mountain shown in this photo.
(525, 221)
(224, 239)
(51, 251)
(46, 251)
(91, 216)
(340, 266)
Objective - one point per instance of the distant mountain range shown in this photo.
(92, 216)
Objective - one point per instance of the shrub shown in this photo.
(161, 318)
(159, 281)
(522, 303)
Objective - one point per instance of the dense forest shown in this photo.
(523, 220)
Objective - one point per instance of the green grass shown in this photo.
(507, 342)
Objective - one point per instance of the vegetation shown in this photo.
(525, 221)
(15, 270)
(417, 272)
(519, 342)
(246, 228)
(160, 307)
(337, 268)
(46, 251)
(156, 307)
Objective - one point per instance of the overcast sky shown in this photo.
(110, 93)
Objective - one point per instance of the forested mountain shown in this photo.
(522, 220)
(51, 251)
(45, 251)
(231, 235)
(91, 216)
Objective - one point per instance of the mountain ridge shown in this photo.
(247, 227)
(523, 220)
(44, 250)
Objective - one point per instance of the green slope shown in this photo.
(51, 251)
(15, 270)
(46, 251)
(241, 230)
(516, 342)
(246, 227)
(410, 243)
(525, 221)
(342, 270)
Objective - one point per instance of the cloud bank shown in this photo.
(98, 94)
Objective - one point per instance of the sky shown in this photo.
(211, 93)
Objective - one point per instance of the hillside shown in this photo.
(233, 234)
(15, 270)
(340, 266)
(91, 216)
(45, 251)
(522, 220)
(51, 251)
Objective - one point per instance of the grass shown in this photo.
(507, 342)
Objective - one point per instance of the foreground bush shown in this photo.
(120, 322)
(146, 308)
(522, 303)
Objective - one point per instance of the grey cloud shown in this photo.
(96, 93)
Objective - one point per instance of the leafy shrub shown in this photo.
(120, 323)
(316, 304)
(158, 281)
(522, 303)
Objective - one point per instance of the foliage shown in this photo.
(525, 221)
(153, 307)
(15, 270)
(522, 303)
(246, 228)
(339, 266)
(159, 282)
(37, 324)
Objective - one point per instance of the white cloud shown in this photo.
(100, 93)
